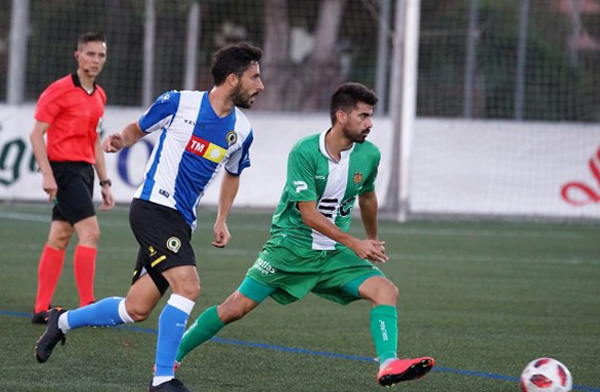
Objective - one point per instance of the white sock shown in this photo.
(123, 313)
(386, 363)
(63, 323)
(156, 381)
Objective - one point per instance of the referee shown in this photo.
(68, 112)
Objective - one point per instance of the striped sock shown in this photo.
(104, 313)
(171, 326)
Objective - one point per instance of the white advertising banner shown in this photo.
(261, 184)
(491, 168)
(505, 168)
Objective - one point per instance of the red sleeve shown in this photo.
(102, 94)
(48, 106)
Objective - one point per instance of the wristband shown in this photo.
(105, 182)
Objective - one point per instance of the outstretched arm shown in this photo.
(128, 136)
(368, 213)
(229, 189)
(370, 249)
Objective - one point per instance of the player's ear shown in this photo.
(232, 80)
(341, 116)
(76, 54)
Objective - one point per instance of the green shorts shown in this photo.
(294, 272)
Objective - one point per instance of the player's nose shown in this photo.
(259, 85)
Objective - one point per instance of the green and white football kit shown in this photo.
(296, 259)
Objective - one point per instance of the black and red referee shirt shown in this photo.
(73, 115)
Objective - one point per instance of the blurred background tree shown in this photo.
(311, 46)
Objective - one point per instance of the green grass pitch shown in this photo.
(482, 298)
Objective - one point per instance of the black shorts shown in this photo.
(75, 181)
(164, 238)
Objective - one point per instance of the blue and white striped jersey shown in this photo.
(194, 144)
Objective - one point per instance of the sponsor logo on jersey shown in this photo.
(300, 186)
(346, 207)
(264, 266)
(327, 207)
(206, 149)
(357, 177)
(164, 193)
(231, 138)
(319, 177)
(173, 244)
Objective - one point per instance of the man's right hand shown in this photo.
(372, 250)
(49, 186)
(113, 143)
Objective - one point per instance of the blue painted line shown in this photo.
(15, 314)
(294, 350)
(291, 349)
(478, 374)
(137, 329)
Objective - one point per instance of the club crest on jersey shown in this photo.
(231, 138)
(174, 244)
(357, 177)
(165, 97)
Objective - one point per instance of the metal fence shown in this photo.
(512, 59)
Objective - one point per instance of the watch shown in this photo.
(105, 182)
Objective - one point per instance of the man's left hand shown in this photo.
(108, 202)
(221, 234)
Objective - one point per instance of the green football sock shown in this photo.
(384, 329)
(204, 328)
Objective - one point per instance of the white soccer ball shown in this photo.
(546, 375)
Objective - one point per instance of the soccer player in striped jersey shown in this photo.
(310, 249)
(201, 132)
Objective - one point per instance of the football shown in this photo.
(546, 375)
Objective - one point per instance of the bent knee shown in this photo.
(393, 292)
(59, 244)
(189, 290)
(138, 314)
(59, 241)
(386, 294)
(90, 238)
(229, 314)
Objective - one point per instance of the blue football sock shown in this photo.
(104, 313)
(171, 326)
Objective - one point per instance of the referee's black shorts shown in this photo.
(164, 238)
(75, 182)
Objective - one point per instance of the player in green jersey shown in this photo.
(310, 249)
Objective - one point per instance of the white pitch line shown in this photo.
(458, 232)
(24, 217)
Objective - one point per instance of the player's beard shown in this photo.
(241, 98)
(357, 137)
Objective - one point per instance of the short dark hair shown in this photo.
(234, 58)
(347, 97)
(90, 37)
